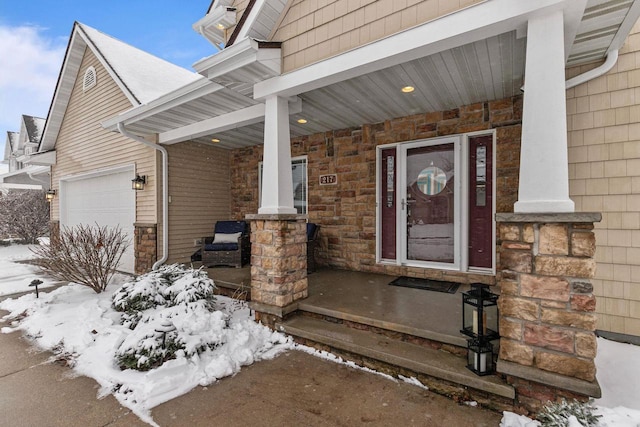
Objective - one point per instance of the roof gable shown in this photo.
(10, 143)
(31, 129)
(141, 76)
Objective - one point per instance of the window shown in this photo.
(300, 184)
(90, 79)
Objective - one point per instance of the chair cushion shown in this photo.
(221, 247)
(226, 238)
(311, 230)
(229, 227)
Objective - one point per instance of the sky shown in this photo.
(34, 36)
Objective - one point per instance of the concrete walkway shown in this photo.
(295, 389)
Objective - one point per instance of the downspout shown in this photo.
(607, 65)
(165, 191)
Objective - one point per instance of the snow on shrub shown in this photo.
(566, 414)
(171, 314)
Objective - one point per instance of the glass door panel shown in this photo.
(430, 203)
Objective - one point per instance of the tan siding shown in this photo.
(199, 187)
(603, 119)
(83, 145)
(316, 29)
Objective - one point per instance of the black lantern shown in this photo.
(480, 313)
(138, 182)
(480, 356)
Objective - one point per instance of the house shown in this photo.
(459, 140)
(19, 146)
(92, 169)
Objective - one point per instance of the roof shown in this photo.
(33, 127)
(10, 142)
(141, 76)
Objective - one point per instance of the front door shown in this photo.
(436, 203)
(430, 201)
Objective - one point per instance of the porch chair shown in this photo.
(312, 240)
(229, 245)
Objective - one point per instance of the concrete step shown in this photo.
(435, 363)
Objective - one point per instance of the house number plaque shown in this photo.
(329, 179)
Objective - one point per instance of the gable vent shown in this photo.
(89, 79)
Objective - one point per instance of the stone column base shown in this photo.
(547, 324)
(145, 246)
(278, 263)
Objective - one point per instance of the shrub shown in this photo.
(24, 214)
(558, 414)
(174, 296)
(87, 255)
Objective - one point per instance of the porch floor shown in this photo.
(368, 298)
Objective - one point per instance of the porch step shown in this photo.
(435, 363)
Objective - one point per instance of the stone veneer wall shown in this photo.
(546, 305)
(145, 246)
(347, 211)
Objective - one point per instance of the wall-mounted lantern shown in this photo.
(50, 194)
(138, 182)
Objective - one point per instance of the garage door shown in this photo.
(105, 199)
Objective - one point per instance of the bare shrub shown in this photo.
(87, 255)
(24, 214)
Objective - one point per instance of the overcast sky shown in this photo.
(34, 36)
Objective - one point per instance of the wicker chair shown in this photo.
(312, 243)
(230, 245)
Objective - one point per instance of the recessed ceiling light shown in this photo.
(220, 26)
(302, 121)
(408, 89)
(215, 140)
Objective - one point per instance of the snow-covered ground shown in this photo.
(88, 330)
(16, 277)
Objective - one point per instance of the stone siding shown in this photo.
(347, 211)
(145, 247)
(547, 319)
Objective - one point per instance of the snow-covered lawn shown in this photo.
(76, 322)
(16, 277)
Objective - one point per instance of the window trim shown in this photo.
(294, 160)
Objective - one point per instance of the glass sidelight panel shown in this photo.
(430, 203)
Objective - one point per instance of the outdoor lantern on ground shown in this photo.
(138, 182)
(480, 323)
(480, 356)
(480, 313)
(35, 284)
(165, 327)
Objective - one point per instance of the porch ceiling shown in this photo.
(484, 70)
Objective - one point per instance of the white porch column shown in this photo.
(277, 180)
(544, 169)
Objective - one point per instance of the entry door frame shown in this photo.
(462, 219)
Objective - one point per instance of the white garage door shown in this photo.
(105, 199)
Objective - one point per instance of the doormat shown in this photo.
(426, 284)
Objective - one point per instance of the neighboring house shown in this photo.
(19, 147)
(93, 169)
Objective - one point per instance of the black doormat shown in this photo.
(426, 284)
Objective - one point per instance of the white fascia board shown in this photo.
(226, 58)
(235, 119)
(43, 159)
(475, 23)
(182, 95)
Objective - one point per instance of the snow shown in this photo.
(146, 76)
(80, 325)
(16, 277)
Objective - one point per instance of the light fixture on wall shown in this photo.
(138, 182)
(50, 194)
